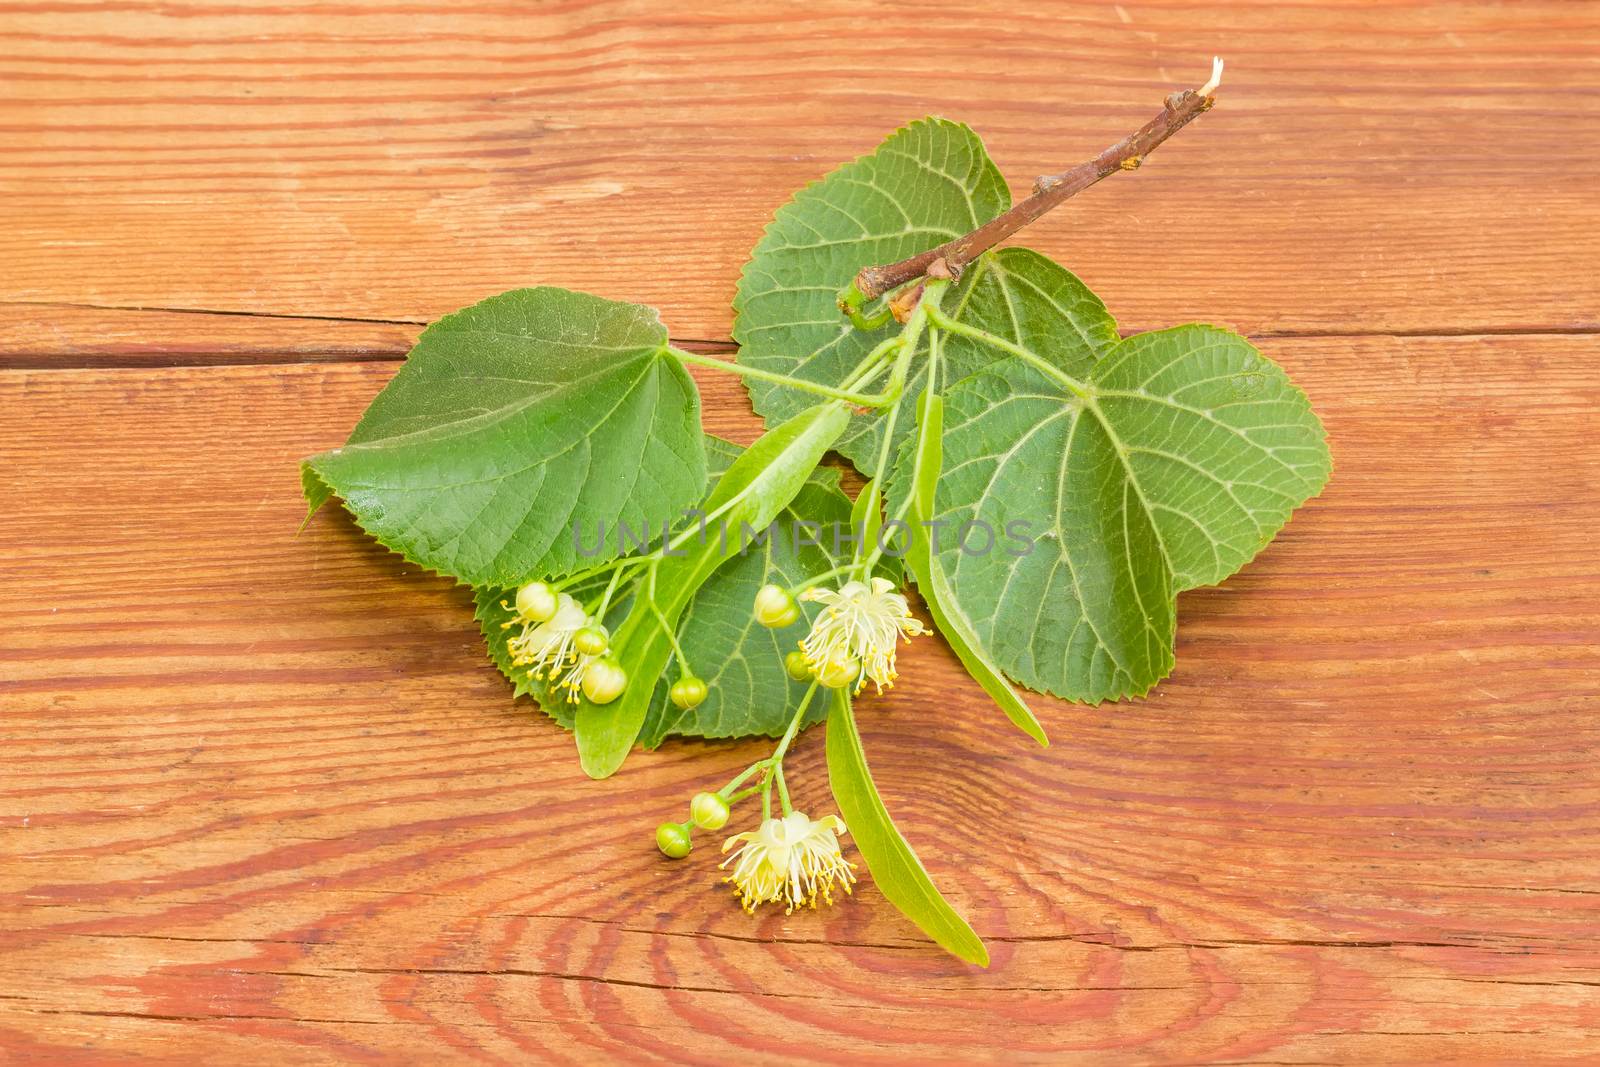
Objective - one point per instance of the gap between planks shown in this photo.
(218, 353)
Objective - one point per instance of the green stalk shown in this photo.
(739, 779)
(932, 293)
(931, 389)
(860, 399)
(1027, 355)
(818, 579)
(672, 638)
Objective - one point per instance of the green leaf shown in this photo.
(927, 183)
(1161, 463)
(949, 619)
(514, 423)
(1016, 292)
(756, 488)
(894, 866)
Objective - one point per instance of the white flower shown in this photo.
(545, 648)
(861, 623)
(791, 860)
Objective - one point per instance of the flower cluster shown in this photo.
(790, 858)
(562, 644)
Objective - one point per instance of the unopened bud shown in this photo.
(795, 665)
(687, 692)
(673, 840)
(838, 672)
(604, 680)
(709, 811)
(591, 641)
(775, 608)
(537, 602)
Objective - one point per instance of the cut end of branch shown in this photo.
(1216, 78)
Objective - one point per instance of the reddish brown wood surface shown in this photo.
(262, 800)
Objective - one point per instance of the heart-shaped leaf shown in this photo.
(516, 427)
(1136, 470)
(928, 182)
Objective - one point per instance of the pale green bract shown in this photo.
(514, 422)
(929, 182)
(894, 865)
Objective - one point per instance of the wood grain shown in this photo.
(1371, 165)
(262, 799)
(262, 791)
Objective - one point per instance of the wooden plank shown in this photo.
(1371, 167)
(261, 797)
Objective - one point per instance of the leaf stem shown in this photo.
(1050, 191)
(871, 364)
(860, 399)
(956, 326)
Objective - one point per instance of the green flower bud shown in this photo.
(796, 666)
(537, 602)
(673, 840)
(687, 692)
(604, 680)
(709, 811)
(775, 608)
(838, 672)
(591, 641)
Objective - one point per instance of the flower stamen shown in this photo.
(791, 861)
(860, 623)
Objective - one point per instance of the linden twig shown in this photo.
(1050, 191)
